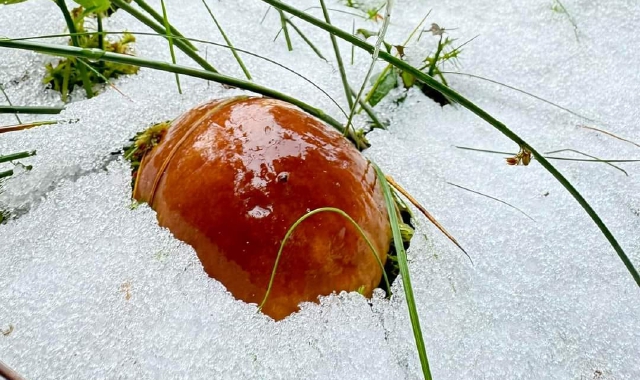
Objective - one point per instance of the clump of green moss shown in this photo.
(64, 76)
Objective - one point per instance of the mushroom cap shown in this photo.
(231, 176)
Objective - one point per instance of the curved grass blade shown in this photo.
(522, 92)
(601, 131)
(453, 95)
(203, 42)
(95, 54)
(302, 219)
(590, 156)
(494, 198)
(404, 272)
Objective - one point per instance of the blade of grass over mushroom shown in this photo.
(404, 272)
(302, 219)
(203, 42)
(95, 54)
(17, 156)
(374, 58)
(152, 12)
(86, 83)
(520, 91)
(453, 95)
(283, 23)
(20, 127)
(9, 101)
(170, 39)
(306, 39)
(31, 110)
(494, 198)
(426, 213)
(160, 30)
(228, 41)
(606, 133)
(336, 50)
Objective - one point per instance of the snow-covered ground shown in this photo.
(93, 289)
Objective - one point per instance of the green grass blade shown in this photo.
(31, 110)
(203, 42)
(374, 58)
(283, 22)
(302, 219)
(95, 54)
(9, 101)
(377, 123)
(228, 41)
(307, 40)
(86, 83)
(160, 30)
(522, 92)
(152, 12)
(17, 156)
(336, 49)
(170, 39)
(404, 272)
(454, 96)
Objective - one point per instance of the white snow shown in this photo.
(95, 289)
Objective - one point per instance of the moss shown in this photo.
(64, 76)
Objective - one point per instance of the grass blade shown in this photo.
(302, 219)
(305, 39)
(404, 272)
(170, 39)
(228, 41)
(160, 30)
(9, 101)
(374, 58)
(31, 110)
(336, 49)
(494, 198)
(520, 91)
(147, 8)
(17, 156)
(20, 127)
(466, 103)
(86, 83)
(601, 131)
(283, 22)
(95, 54)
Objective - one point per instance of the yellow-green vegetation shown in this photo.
(65, 74)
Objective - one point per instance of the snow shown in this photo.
(95, 289)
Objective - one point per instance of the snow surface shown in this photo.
(94, 289)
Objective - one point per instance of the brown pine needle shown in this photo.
(610, 134)
(426, 213)
(20, 127)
